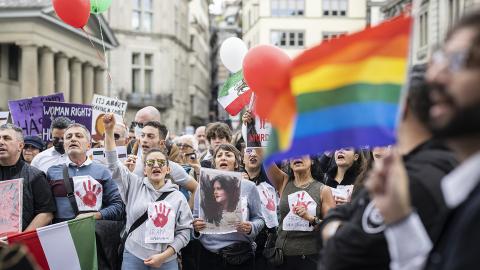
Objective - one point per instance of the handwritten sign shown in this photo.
(28, 114)
(78, 113)
(257, 135)
(11, 195)
(4, 117)
(102, 105)
(292, 222)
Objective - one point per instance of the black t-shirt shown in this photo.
(37, 196)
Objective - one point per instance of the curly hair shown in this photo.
(212, 209)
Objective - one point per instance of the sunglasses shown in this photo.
(151, 162)
(137, 124)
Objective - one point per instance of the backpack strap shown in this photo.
(69, 189)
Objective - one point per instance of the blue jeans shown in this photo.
(130, 262)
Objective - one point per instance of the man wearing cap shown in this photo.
(33, 146)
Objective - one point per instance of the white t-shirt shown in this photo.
(46, 159)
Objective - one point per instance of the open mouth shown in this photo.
(73, 145)
(340, 157)
(223, 165)
(253, 160)
(3, 150)
(297, 162)
(156, 171)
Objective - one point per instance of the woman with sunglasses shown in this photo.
(226, 157)
(171, 217)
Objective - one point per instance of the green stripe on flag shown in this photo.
(235, 80)
(83, 235)
(389, 93)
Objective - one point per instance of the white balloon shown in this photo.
(232, 52)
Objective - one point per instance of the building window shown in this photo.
(335, 7)
(326, 36)
(453, 12)
(148, 67)
(136, 70)
(142, 15)
(288, 7)
(423, 33)
(288, 39)
(13, 58)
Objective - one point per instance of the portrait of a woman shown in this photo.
(219, 196)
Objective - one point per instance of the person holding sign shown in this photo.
(38, 204)
(304, 201)
(155, 243)
(232, 250)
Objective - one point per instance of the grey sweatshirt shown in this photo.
(214, 242)
(137, 193)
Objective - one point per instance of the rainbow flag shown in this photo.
(347, 91)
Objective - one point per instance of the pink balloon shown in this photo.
(73, 12)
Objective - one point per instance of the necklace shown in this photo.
(306, 185)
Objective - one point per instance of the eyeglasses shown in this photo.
(454, 61)
(151, 162)
(184, 145)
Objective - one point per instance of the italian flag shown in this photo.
(235, 94)
(66, 245)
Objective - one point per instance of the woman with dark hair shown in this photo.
(304, 201)
(222, 195)
(232, 250)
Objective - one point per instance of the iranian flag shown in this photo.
(235, 94)
(66, 245)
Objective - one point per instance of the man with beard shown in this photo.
(56, 154)
(38, 204)
(454, 75)
(202, 140)
(353, 234)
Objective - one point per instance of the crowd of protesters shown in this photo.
(404, 206)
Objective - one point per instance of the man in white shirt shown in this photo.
(454, 77)
(56, 154)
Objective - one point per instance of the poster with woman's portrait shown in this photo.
(220, 205)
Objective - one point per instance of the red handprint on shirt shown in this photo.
(162, 215)
(91, 193)
(300, 201)
(270, 204)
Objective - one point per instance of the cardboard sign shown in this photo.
(98, 154)
(78, 113)
(102, 105)
(28, 113)
(11, 203)
(4, 117)
(343, 191)
(220, 204)
(292, 222)
(160, 225)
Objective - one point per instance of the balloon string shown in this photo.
(98, 53)
(103, 45)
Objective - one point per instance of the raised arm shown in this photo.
(277, 177)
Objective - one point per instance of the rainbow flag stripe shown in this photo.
(347, 91)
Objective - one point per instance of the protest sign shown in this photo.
(102, 105)
(293, 222)
(98, 154)
(160, 225)
(269, 199)
(28, 113)
(256, 135)
(220, 205)
(4, 117)
(343, 192)
(11, 195)
(78, 113)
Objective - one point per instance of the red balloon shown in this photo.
(266, 70)
(73, 12)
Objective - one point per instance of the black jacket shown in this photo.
(37, 196)
(360, 243)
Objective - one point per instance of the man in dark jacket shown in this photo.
(353, 233)
(454, 77)
(38, 202)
